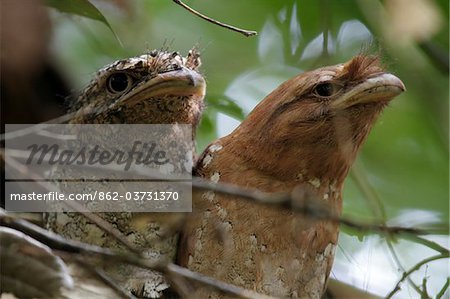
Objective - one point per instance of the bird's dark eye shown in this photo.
(118, 82)
(326, 89)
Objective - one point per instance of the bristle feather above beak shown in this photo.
(360, 68)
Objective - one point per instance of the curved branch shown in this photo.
(211, 20)
(57, 242)
(413, 269)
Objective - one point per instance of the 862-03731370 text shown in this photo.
(96, 195)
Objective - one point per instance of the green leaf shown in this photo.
(207, 130)
(227, 106)
(82, 8)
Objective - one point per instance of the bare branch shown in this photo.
(415, 268)
(57, 242)
(374, 200)
(105, 278)
(308, 206)
(399, 264)
(100, 222)
(29, 130)
(219, 285)
(358, 175)
(427, 243)
(239, 30)
(444, 289)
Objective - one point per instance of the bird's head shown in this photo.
(316, 122)
(156, 88)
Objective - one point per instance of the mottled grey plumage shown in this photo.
(164, 88)
(158, 88)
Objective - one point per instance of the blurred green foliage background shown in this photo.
(402, 172)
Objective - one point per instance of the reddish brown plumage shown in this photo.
(361, 67)
(305, 134)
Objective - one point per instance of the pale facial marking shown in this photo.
(325, 78)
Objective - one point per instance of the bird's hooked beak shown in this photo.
(380, 88)
(181, 82)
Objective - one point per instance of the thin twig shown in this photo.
(309, 208)
(359, 176)
(101, 275)
(376, 206)
(427, 243)
(52, 240)
(100, 222)
(211, 20)
(437, 55)
(413, 269)
(326, 20)
(444, 289)
(285, 200)
(34, 128)
(280, 200)
(425, 294)
(399, 263)
(57, 242)
(371, 194)
(219, 285)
